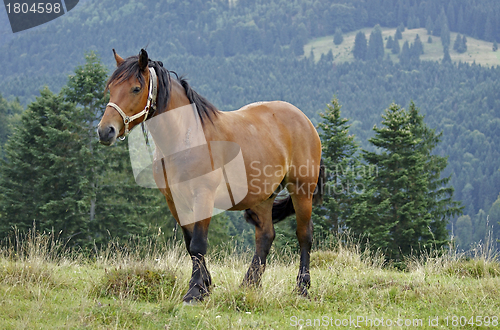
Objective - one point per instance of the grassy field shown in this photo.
(477, 50)
(142, 288)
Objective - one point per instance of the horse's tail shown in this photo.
(284, 207)
(319, 192)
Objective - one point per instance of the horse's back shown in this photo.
(279, 117)
(287, 121)
(283, 111)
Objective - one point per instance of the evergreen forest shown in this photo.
(237, 52)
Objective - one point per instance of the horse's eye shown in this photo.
(136, 90)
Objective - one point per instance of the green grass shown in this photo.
(125, 287)
(477, 50)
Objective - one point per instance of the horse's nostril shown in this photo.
(111, 132)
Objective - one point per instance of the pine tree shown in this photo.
(360, 46)
(495, 46)
(376, 44)
(85, 88)
(405, 56)
(446, 57)
(445, 35)
(398, 35)
(404, 208)
(410, 22)
(338, 153)
(450, 14)
(481, 226)
(42, 178)
(413, 21)
(489, 28)
(463, 232)
(338, 38)
(10, 113)
(436, 31)
(494, 217)
(389, 43)
(461, 26)
(395, 47)
(460, 44)
(417, 48)
(457, 43)
(418, 25)
(440, 203)
(429, 25)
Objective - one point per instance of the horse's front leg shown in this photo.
(193, 200)
(195, 236)
(195, 222)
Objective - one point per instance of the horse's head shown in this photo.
(131, 97)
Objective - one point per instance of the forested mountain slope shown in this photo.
(239, 52)
(219, 28)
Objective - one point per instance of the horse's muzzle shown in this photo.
(107, 135)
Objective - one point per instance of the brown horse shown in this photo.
(280, 149)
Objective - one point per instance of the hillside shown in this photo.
(478, 51)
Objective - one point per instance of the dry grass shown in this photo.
(482, 261)
(130, 286)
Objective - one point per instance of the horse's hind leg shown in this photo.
(260, 217)
(303, 209)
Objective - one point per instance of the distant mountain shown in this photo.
(219, 28)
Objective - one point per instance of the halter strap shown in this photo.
(151, 104)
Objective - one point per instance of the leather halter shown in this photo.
(151, 104)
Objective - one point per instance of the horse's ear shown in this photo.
(119, 60)
(143, 60)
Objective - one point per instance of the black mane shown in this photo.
(130, 67)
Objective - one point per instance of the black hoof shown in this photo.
(303, 283)
(195, 294)
(302, 291)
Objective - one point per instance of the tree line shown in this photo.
(393, 199)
